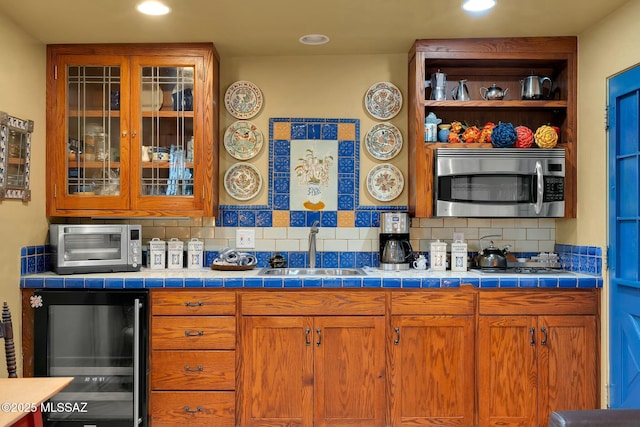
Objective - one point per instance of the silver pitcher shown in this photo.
(532, 87)
(461, 93)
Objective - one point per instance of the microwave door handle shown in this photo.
(539, 188)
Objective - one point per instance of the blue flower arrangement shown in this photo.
(504, 135)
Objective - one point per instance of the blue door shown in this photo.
(624, 235)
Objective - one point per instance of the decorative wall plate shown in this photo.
(383, 141)
(385, 182)
(242, 181)
(383, 100)
(243, 140)
(243, 99)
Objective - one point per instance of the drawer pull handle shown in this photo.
(545, 336)
(193, 411)
(397, 340)
(189, 333)
(194, 304)
(307, 339)
(188, 368)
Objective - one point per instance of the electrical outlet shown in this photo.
(245, 239)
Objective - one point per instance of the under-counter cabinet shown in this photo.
(193, 358)
(132, 130)
(433, 358)
(482, 62)
(537, 353)
(312, 359)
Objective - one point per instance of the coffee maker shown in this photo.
(395, 249)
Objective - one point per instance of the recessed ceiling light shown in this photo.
(478, 5)
(153, 8)
(314, 39)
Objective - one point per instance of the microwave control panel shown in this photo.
(553, 189)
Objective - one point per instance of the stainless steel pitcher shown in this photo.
(461, 93)
(532, 87)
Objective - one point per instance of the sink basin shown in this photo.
(312, 272)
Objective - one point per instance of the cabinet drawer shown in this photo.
(206, 409)
(193, 370)
(193, 332)
(539, 302)
(441, 301)
(313, 303)
(192, 302)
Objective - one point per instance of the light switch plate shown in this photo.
(245, 239)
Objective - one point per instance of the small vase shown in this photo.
(443, 132)
(314, 193)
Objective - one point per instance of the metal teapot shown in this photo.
(493, 93)
(532, 87)
(492, 257)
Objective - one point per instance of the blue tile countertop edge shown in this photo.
(375, 278)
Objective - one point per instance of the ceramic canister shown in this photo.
(458, 256)
(175, 250)
(157, 253)
(195, 253)
(438, 256)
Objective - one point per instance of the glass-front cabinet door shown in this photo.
(167, 163)
(95, 137)
(132, 130)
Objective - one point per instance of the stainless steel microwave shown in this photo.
(500, 182)
(95, 248)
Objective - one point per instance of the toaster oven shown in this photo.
(95, 248)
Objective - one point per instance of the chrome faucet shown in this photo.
(312, 244)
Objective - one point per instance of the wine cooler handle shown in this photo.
(137, 305)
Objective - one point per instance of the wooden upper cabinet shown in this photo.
(483, 62)
(132, 130)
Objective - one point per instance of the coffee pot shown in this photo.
(532, 87)
(461, 93)
(438, 86)
(393, 252)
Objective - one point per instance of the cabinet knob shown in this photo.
(124, 133)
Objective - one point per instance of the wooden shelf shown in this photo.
(496, 104)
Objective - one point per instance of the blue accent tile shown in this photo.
(264, 219)
(209, 257)
(211, 282)
(31, 250)
(363, 219)
(297, 259)
(364, 259)
(253, 282)
(282, 164)
(332, 282)
(346, 148)
(472, 281)
(23, 251)
(230, 219)
(193, 282)
(411, 282)
(329, 219)
(587, 282)
(94, 283)
(31, 265)
(508, 282)
(346, 165)
(281, 185)
(232, 282)
(173, 282)
(347, 259)
(391, 282)
(567, 282)
(293, 282)
(312, 216)
(153, 282)
(74, 282)
(346, 184)
(346, 203)
(329, 259)
(298, 131)
(246, 219)
(489, 283)
(39, 249)
(450, 283)
(371, 282)
(263, 258)
(528, 282)
(137, 283)
(281, 148)
(548, 282)
(23, 266)
(329, 131)
(40, 265)
(281, 203)
(312, 282)
(114, 283)
(314, 131)
(297, 219)
(352, 282)
(49, 282)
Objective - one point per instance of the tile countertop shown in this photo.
(375, 278)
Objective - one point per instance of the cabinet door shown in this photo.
(507, 373)
(171, 146)
(567, 364)
(88, 145)
(349, 363)
(277, 373)
(433, 365)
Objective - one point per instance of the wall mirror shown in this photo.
(15, 153)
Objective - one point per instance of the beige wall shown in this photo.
(605, 50)
(22, 94)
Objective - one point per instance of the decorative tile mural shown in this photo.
(314, 174)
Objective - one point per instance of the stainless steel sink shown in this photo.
(312, 272)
